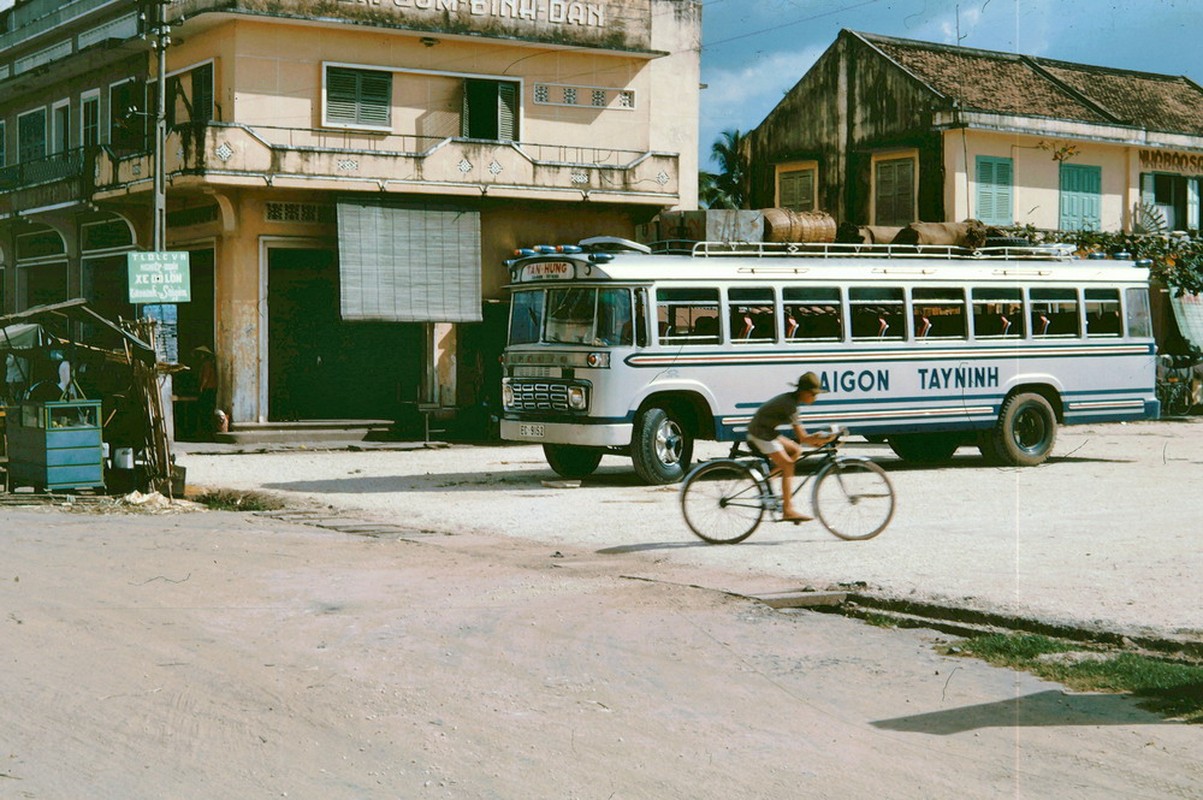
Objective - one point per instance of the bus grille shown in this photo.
(539, 396)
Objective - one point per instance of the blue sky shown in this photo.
(754, 51)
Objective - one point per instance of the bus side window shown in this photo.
(641, 338)
(939, 313)
(751, 314)
(678, 312)
(997, 313)
(878, 312)
(1140, 318)
(1055, 313)
(1102, 312)
(813, 313)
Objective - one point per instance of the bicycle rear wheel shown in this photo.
(1179, 401)
(721, 502)
(854, 499)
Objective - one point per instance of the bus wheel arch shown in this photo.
(572, 461)
(925, 448)
(666, 427)
(1026, 429)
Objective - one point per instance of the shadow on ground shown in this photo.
(1043, 709)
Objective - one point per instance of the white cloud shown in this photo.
(741, 98)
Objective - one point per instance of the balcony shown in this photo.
(47, 181)
(235, 154)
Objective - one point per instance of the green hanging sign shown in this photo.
(159, 277)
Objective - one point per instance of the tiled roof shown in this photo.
(990, 81)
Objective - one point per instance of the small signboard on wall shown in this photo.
(159, 277)
(167, 331)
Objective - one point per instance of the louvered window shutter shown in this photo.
(340, 95)
(465, 122)
(202, 93)
(995, 190)
(507, 112)
(375, 98)
(359, 97)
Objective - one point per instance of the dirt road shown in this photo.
(223, 655)
(1101, 536)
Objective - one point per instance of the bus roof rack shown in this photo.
(1035, 252)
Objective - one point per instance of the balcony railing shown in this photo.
(303, 157)
(54, 167)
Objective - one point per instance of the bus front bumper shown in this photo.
(610, 435)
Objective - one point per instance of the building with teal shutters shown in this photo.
(885, 131)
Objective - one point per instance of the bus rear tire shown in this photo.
(925, 448)
(1026, 430)
(661, 449)
(571, 460)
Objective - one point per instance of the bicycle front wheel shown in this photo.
(1179, 401)
(721, 502)
(854, 499)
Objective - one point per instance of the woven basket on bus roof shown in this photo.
(787, 225)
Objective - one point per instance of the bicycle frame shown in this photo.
(764, 469)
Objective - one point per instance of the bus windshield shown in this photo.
(573, 315)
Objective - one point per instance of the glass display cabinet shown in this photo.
(55, 445)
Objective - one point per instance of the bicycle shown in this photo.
(1174, 393)
(724, 500)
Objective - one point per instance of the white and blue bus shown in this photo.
(614, 348)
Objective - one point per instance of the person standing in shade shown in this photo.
(206, 388)
(782, 450)
(16, 372)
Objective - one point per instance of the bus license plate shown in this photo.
(531, 431)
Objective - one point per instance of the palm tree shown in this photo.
(727, 188)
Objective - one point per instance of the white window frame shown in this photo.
(55, 133)
(328, 123)
(90, 96)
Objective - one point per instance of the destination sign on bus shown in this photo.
(548, 271)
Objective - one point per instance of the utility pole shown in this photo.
(161, 32)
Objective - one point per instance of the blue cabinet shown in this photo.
(55, 445)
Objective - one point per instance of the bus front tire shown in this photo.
(571, 460)
(1026, 430)
(661, 449)
(925, 448)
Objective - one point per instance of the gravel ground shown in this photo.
(1100, 536)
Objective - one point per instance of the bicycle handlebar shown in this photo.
(839, 432)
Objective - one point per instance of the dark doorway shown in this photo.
(480, 346)
(196, 316)
(320, 367)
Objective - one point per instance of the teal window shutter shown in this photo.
(995, 190)
(1081, 197)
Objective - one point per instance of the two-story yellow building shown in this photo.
(886, 131)
(346, 175)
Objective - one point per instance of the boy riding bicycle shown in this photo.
(780, 449)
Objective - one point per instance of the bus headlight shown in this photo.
(507, 394)
(577, 398)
